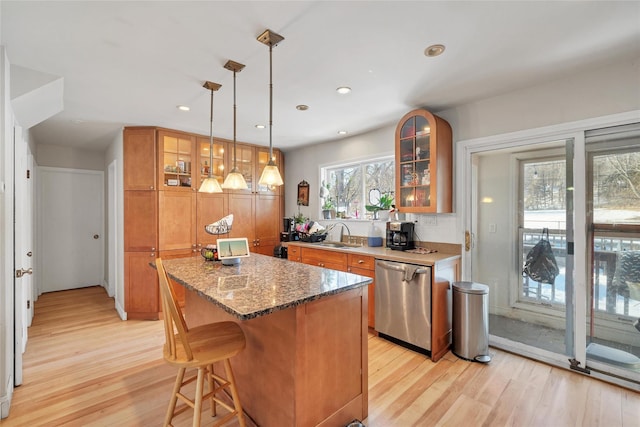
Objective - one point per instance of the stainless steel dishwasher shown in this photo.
(403, 303)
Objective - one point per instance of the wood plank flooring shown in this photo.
(85, 367)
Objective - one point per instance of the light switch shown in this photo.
(492, 228)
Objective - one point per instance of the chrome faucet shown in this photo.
(342, 231)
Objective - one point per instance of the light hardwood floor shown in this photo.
(85, 367)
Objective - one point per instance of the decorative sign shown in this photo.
(303, 193)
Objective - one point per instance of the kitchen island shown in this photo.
(305, 363)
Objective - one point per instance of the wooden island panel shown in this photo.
(302, 366)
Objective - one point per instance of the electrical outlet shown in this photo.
(429, 220)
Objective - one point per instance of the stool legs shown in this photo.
(212, 401)
(202, 371)
(234, 392)
(174, 396)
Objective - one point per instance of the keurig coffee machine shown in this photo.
(400, 235)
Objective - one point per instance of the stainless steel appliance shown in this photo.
(400, 235)
(403, 303)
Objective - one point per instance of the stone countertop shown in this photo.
(260, 284)
(384, 253)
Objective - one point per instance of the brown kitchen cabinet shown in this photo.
(293, 253)
(139, 146)
(443, 274)
(365, 265)
(164, 213)
(324, 258)
(250, 162)
(423, 163)
(177, 161)
(216, 163)
(141, 286)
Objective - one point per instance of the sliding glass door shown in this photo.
(613, 306)
(522, 198)
(580, 190)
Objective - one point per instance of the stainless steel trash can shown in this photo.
(471, 321)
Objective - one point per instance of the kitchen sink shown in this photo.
(337, 245)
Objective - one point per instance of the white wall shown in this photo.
(6, 231)
(113, 153)
(593, 93)
(68, 157)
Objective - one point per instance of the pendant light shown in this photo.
(234, 179)
(210, 184)
(270, 175)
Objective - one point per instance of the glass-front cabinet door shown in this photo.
(216, 162)
(176, 160)
(262, 155)
(424, 163)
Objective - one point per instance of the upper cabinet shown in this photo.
(139, 146)
(178, 161)
(423, 163)
(250, 161)
(216, 162)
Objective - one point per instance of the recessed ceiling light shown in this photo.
(77, 121)
(183, 108)
(343, 90)
(259, 126)
(342, 132)
(302, 107)
(434, 50)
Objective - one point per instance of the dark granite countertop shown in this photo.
(261, 284)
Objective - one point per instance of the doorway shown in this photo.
(70, 228)
(555, 178)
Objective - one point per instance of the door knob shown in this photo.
(29, 254)
(96, 236)
(22, 272)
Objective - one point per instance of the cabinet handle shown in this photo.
(360, 261)
(153, 249)
(321, 264)
(152, 255)
(151, 187)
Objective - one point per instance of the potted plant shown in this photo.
(328, 208)
(384, 205)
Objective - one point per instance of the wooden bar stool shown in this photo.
(200, 348)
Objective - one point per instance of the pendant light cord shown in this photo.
(270, 102)
(235, 159)
(211, 136)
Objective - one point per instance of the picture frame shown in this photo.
(303, 193)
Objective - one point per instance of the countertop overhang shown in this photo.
(260, 284)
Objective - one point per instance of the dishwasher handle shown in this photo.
(407, 272)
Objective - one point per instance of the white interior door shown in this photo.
(71, 228)
(22, 251)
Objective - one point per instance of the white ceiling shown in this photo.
(131, 63)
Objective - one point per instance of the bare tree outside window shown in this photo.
(349, 185)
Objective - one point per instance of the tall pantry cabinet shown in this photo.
(167, 219)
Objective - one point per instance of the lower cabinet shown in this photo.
(324, 258)
(141, 286)
(365, 265)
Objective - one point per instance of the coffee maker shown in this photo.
(400, 235)
(289, 234)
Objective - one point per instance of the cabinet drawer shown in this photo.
(293, 253)
(338, 260)
(362, 261)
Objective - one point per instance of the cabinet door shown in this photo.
(267, 223)
(177, 161)
(216, 162)
(139, 152)
(242, 206)
(141, 286)
(423, 163)
(141, 221)
(176, 220)
(293, 253)
(211, 208)
(443, 275)
(371, 321)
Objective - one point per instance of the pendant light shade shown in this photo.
(234, 180)
(270, 175)
(210, 184)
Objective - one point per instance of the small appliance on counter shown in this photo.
(289, 234)
(400, 235)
